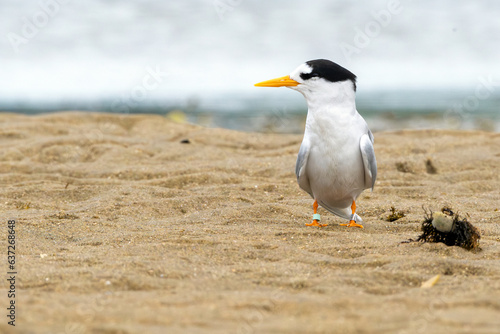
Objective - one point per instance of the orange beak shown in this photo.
(278, 82)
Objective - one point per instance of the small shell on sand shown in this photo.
(442, 222)
(430, 282)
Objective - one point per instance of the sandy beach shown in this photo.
(138, 224)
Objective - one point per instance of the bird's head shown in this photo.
(317, 78)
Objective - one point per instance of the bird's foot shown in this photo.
(316, 223)
(352, 223)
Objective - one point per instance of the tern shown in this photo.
(336, 160)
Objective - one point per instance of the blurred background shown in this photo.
(420, 64)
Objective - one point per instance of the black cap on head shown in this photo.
(328, 70)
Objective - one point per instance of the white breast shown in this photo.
(335, 167)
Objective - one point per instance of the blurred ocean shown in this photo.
(422, 64)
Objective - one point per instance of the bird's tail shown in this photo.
(342, 213)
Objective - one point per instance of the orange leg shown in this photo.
(352, 223)
(315, 222)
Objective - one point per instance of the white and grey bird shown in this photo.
(336, 160)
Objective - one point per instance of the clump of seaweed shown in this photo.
(449, 228)
(63, 215)
(395, 215)
(404, 167)
(429, 167)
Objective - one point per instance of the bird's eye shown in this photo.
(309, 76)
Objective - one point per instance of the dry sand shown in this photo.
(123, 229)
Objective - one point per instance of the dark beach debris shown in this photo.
(447, 211)
(429, 167)
(23, 205)
(63, 215)
(185, 141)
(449, 228)
(395, 215)
(404, 167)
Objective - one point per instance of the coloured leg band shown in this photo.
(316, 216)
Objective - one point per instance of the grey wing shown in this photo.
(369, 161)
(300, 168)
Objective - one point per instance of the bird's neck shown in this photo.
(338, 100)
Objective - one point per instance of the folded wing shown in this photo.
(369, 161)
(300, 168)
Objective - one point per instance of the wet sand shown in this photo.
(121, 228)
